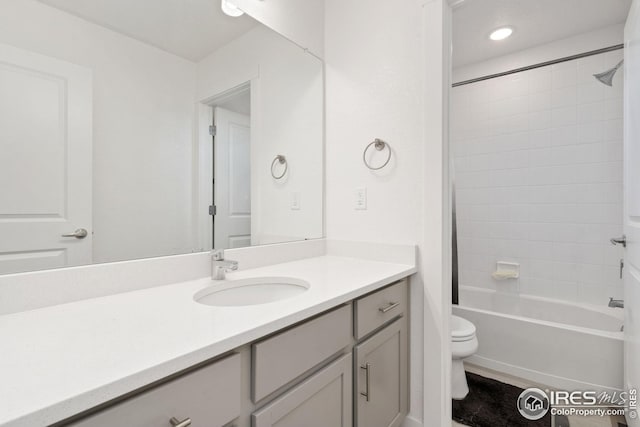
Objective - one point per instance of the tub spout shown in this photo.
(616, 303)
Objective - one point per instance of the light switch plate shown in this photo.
(295, 201)
(360, 199)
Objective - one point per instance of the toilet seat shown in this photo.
(462, 329)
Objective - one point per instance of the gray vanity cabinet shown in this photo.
(323, 400)
(381, 360)
(209, 396)
(381, 393)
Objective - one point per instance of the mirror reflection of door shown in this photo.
(232, 171)
(45, 165)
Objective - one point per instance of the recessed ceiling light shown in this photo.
(231, 9)
(501, 33)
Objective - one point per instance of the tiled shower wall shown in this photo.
(538, 175)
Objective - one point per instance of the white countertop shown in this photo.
(61, 360)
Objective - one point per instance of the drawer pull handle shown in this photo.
(184, 423)
(367, 378)
(388, 308)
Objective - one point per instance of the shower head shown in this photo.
(607, 76)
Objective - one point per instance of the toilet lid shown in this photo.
(462, 329)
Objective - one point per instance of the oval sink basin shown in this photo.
(260, 290)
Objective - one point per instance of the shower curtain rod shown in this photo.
(539, 65)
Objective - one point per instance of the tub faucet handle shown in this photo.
(616, 303)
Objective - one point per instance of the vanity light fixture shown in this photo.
(501, 33)
(231, 9)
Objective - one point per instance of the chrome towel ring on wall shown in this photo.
(281, 160)
(379, 145)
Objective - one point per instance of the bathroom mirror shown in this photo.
(135, 129)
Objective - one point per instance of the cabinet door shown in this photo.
(381, 379)
(324, 400)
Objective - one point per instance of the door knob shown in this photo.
(620, 241)
(80, 233)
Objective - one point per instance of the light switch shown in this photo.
(360, 199)
(295, 201)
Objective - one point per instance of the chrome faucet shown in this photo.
(616, 303)
(220, 266)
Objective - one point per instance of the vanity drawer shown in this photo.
(284, 357)
(378, 308)
(209, 396)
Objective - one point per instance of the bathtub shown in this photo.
(558, 344)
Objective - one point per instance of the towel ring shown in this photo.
(283, 161)
(379, 145)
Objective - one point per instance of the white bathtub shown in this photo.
(558, 344)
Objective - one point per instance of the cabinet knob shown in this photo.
(184, 423)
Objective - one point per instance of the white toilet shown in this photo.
(463, 344)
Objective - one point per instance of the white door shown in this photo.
(232, 180)
(632, 204)
(45, 161)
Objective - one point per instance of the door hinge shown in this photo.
(213, 129)
(212, 210)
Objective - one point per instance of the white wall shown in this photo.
(376, 79)
(538, 166)
(286, 118)
(143, 118)
(300, 21)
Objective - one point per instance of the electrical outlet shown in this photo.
(360, 199)
(295, 201)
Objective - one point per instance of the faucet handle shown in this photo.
(217, 254)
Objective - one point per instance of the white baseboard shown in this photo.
(411, 422)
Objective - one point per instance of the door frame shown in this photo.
(203, 161)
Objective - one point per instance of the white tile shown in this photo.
(613, 130)
(563, 74)
(565, 252)
(541, 157)
(564, 116)
(563, 97)
(508, 107)
(565, 272)
(613, 152)
(539, 120)
(565, 135)
(588, 113)
(542, 138)
(541, 172)
(539, 80)
(591, 132)
(613, 109)
(540, 101)
(589, 274)
(592, 91)
(543, 251)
